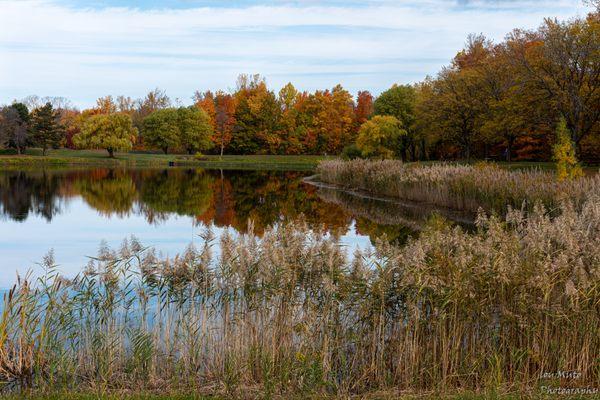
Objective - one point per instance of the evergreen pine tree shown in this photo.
(46, 129)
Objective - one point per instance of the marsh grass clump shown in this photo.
(461, 187)
(291, 314)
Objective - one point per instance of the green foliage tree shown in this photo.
(567, 166)
(46, 130)
(399, 101)
(113, 132)
(161, 129)
(195, 129)
(380, 137)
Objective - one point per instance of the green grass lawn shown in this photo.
(66, 157)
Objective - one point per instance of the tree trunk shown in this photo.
(44, 151)
(111, 153)
(166, 150)
(509, 148)
(412, 148)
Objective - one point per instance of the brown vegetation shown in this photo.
(461, 187)
(290, 313)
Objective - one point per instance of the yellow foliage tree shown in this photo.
(113, 132)
(567, 166)
(379, 137)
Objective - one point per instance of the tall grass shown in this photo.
(290, 313)
(462, 187)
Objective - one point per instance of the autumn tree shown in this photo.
(562, 60)
(257, 117)
(328, 117)
(125, 104)
(224, 123)
(112, 132)
(380, 137)
(106, 105)
(503, 117)
(71, 120)
(426, 126)
(45, 127)
(292, 131)
(155, 100)
(220, 107)
(457, 108)
(206, 102)
(364, 107)
(343, 109)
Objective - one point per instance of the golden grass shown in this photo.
(289, 314)
(462, 187)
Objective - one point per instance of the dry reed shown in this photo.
(290, 313)
(461, 187)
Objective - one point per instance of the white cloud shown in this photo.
(49, 48)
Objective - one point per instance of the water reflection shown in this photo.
(395, 218)
(23, 193)
(72, 210)
(222, 198)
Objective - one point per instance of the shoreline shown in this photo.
(86, 158)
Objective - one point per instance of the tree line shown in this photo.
(494, 100)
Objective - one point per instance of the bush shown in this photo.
(351, 152)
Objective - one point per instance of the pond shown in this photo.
(73, 210)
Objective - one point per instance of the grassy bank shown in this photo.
(460, 187)
(65, 157)
(376, 396)
(290, 315)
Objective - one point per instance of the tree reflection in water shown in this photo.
(222, 198)
(23, 193)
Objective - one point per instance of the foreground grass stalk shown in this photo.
(290, 314)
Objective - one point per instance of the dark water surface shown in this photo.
(73, 210)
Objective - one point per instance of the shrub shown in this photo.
(351, 152)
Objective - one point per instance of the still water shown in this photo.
(72, 211)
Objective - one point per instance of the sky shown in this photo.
(83, 50)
